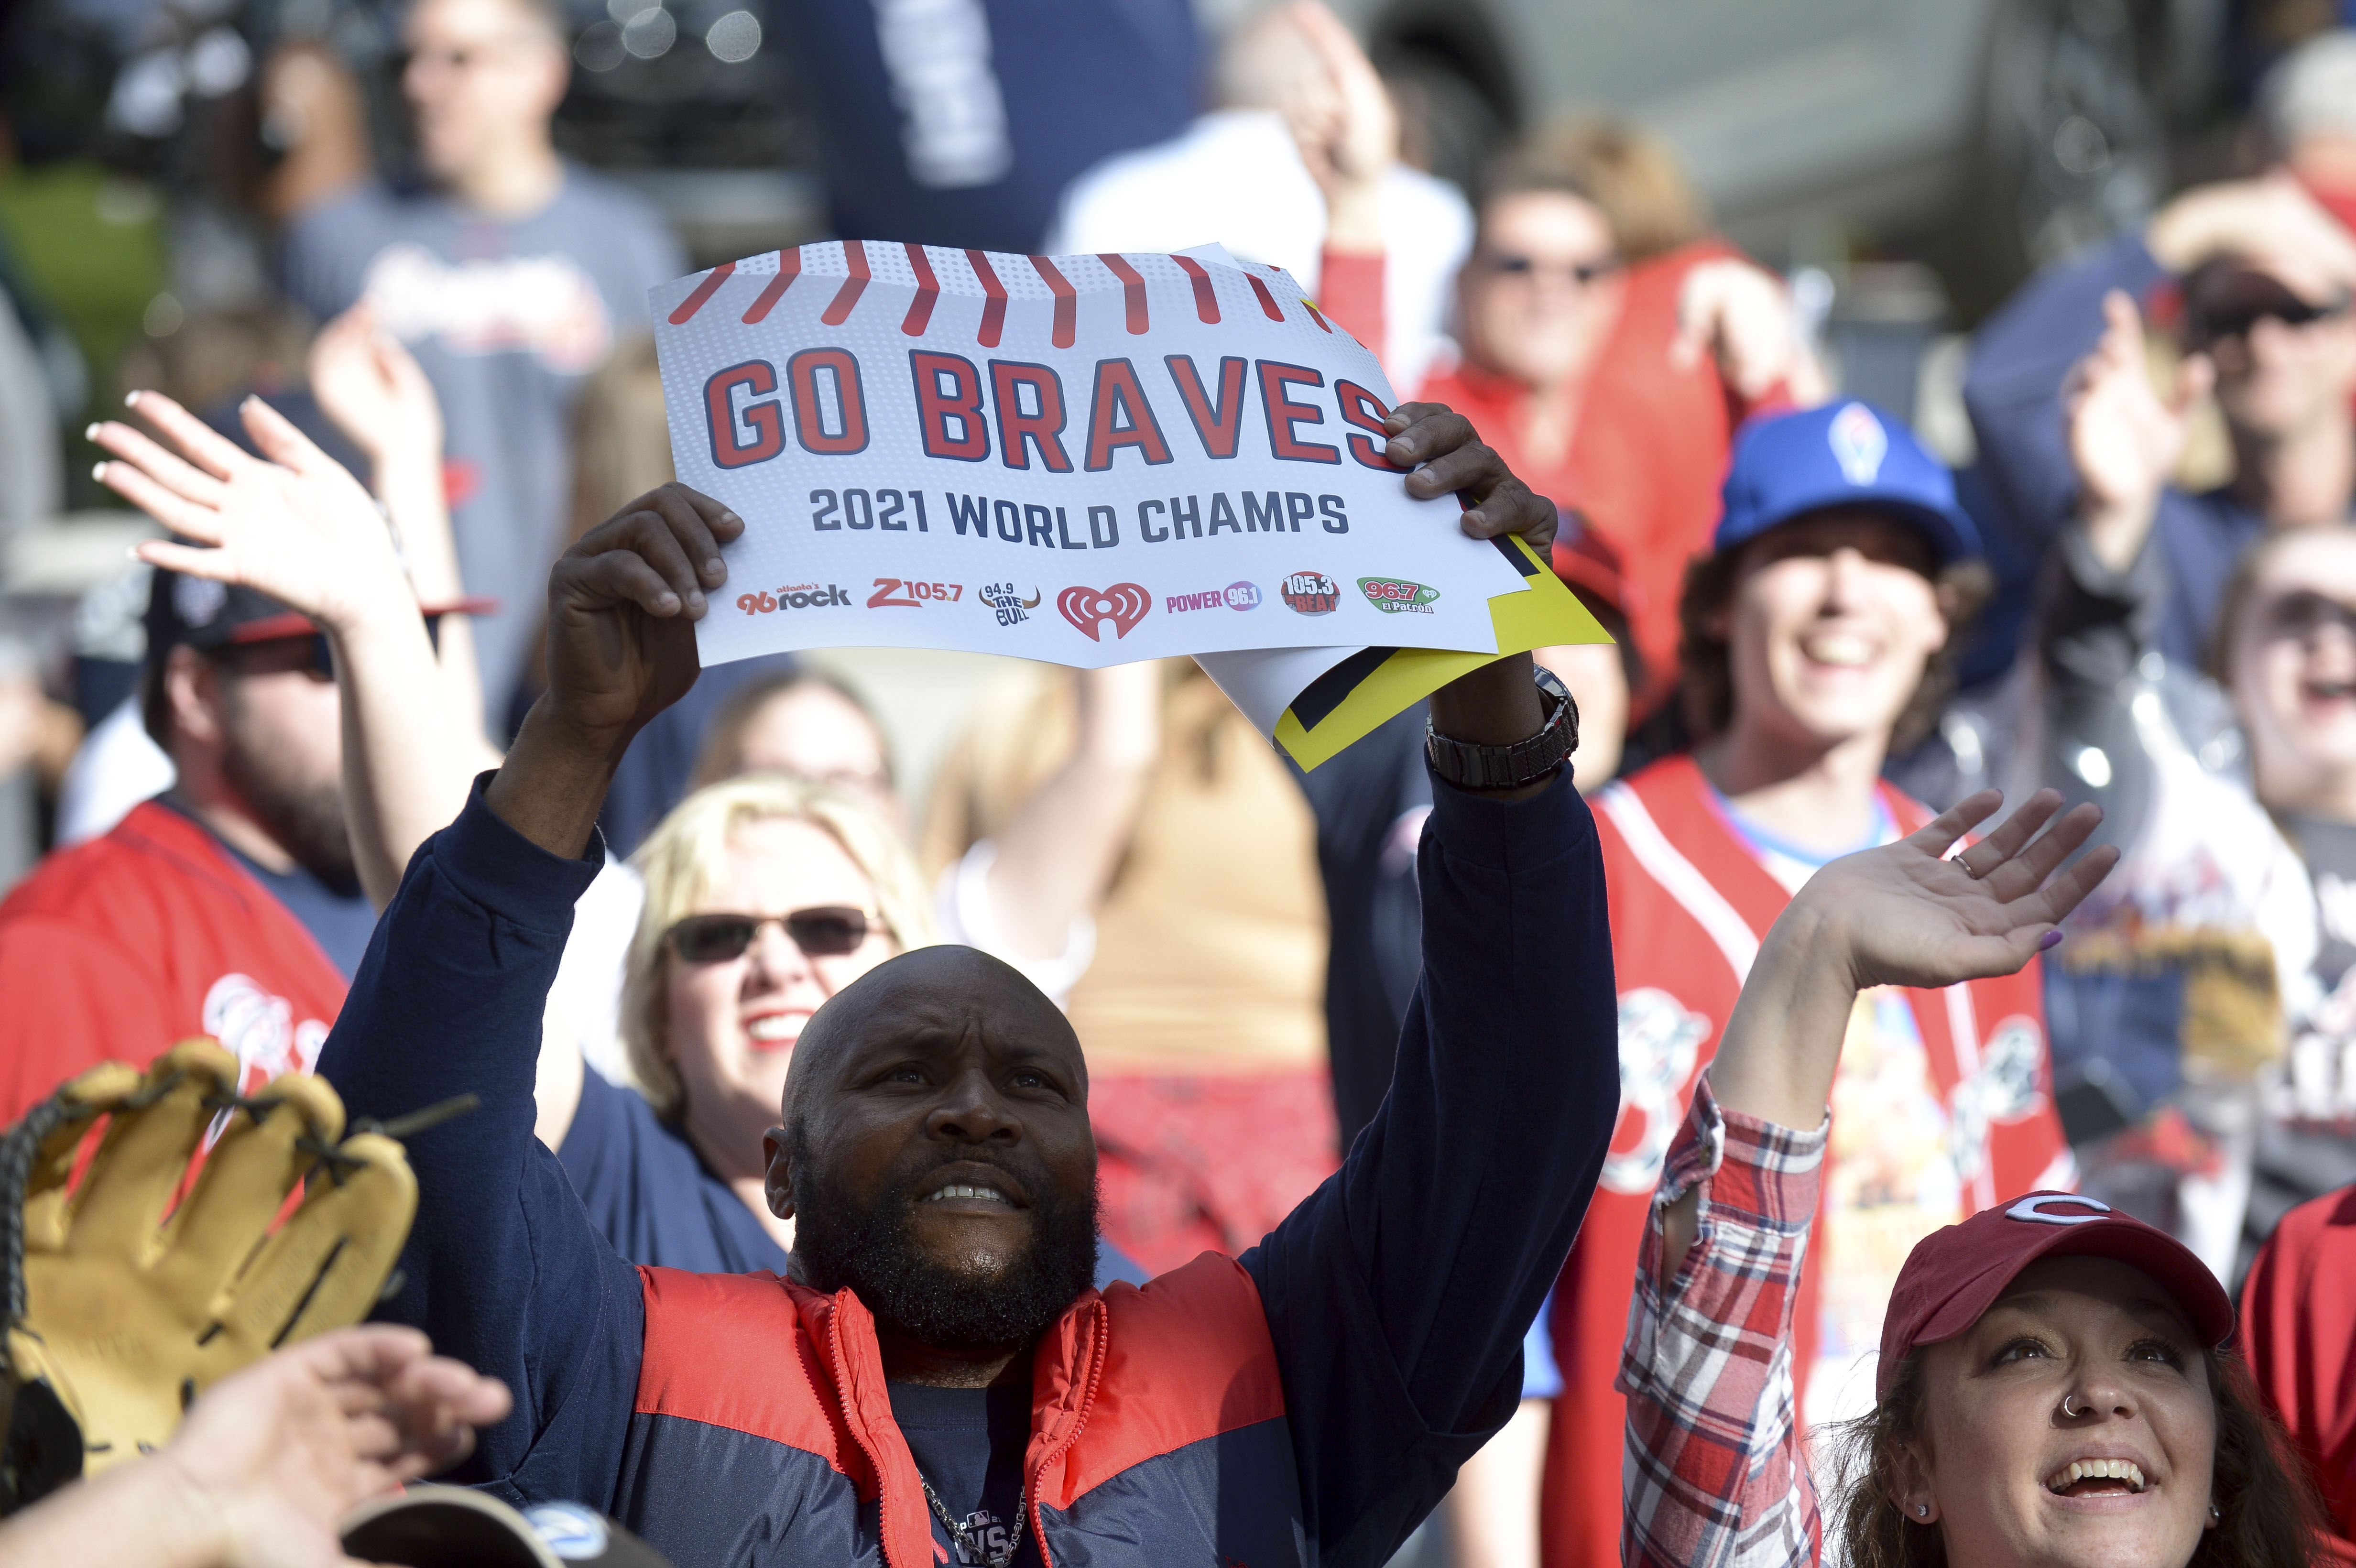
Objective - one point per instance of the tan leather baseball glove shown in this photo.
(129, 1293)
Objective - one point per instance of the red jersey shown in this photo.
(2298, 1334)
(1931, 1122)
(119, 948)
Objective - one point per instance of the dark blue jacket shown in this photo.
(2013, 390)
(1308, 1404)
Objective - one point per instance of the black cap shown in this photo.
(455, 1527)
(208, 615)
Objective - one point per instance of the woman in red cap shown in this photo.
(2053, 1385)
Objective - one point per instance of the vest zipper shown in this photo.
(1102, 1320)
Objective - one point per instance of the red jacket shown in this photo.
(2298, 1334)
(116, 949)
(1689, 904)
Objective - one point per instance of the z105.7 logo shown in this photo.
(800, 596)
(1007, 601)
(891, 590)
(1395, 595)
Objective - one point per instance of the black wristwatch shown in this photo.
(1467, 766)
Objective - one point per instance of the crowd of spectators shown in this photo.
(347, 802)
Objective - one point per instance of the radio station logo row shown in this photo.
(1090, 609)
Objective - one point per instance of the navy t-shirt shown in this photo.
(967, 1444)
(649, 1191)
(340, 923)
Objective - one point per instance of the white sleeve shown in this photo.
(961, 906)
(585, 1001)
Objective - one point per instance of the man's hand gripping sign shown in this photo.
(1087, 460)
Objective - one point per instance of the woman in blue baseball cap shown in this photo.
(1815, 636)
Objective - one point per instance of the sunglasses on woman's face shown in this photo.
(2302, 613)
(829, 932)
(2224, 301)
(1506, 264)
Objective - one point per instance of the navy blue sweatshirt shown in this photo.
(2013, 390)
(1396, 1294)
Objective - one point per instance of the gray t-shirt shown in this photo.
(506, 318)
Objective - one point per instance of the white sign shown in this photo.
(1088, 459)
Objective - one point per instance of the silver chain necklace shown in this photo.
(965, 1539)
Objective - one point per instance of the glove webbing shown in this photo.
(18, 1149)
(21, 1147)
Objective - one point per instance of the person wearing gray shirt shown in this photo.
(511, 277)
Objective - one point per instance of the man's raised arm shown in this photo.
(1398, 1293)
(503, 1269)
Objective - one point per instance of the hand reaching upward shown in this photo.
(375, 390)
(622, 608)
(2125, 436)
(1742, 317)
(1907, 913)
(1342, 120)
(296, 525)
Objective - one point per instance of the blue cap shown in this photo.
(1846, 454)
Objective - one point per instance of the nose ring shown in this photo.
(2065, 1406)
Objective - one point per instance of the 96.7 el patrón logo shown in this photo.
(1395, 595)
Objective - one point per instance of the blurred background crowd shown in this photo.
(2067, 282)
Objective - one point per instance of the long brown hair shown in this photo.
(2270, 1516)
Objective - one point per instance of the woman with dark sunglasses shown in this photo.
(764, 896)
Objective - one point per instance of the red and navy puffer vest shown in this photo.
(763, 1433)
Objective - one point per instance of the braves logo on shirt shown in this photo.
(987, 1531)
(545, 306)
(260, 1030)
(2007, 1085)
(1659, 1038)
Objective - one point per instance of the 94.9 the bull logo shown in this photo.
(1007, 601)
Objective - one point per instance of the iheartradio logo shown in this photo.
(1124, 604)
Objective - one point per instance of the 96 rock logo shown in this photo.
(1007, 601)
(1124, 604)
(1395, 595)
(1310, 593)
(800, 596)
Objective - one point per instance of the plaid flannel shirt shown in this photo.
(1714, 1475)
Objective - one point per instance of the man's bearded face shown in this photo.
(936, 1156)
(974, 1292)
